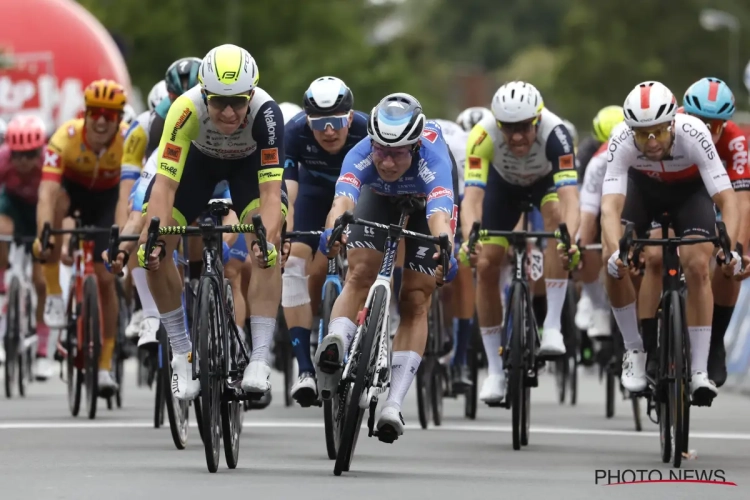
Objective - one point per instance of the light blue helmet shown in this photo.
(709, 98)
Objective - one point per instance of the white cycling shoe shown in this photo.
(702, 390)
(255, 378)
(54, 311)
(390, 424)
(149, 328)
(44, 369)
(183, 386)
(633, 376)
(134, 327)
(493, 389)
(328, 360)
(106, 384)
(553, 343)
(583, 312)
(601, 324)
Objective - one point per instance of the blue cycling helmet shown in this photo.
(709, 98)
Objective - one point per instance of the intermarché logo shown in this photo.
(610, 477)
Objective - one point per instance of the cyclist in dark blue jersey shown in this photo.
(316, 142)
(404, 154)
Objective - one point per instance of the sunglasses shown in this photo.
(111, 115)
(396, 154)
(661, 134)
(236, 102)
(31, 154)
(320, 123)
(517, 127)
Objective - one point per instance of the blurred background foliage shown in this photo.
(581, 54)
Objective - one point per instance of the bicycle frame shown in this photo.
(20, 262)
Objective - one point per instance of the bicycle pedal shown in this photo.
(495, 404)
(386, 434)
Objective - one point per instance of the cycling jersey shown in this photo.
(188, 123)
(552, 152)
(308, 163)
(586, 150)
(455, 137)
(591, 190)
(134, 150)
(732, 149)
(156, 127)
(429, 175)
(69, 156)
(20, 186)
(693, 155)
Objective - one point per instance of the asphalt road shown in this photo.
(47, 454)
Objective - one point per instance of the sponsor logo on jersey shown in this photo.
(132, 143)
(561, 137)
(430, 135)
(71, 131)
(271, 125)
(180, 123)
(273, 174)
(350, 178)
(475, 163)
(269, 156)
(361, 165)
(171, 169)
(51, 159)
(172, 152)
(566, 162)
(479, 141)
(425, 173)
(439, 192)
(739, 154)
(702, 138)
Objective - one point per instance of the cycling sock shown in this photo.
(105, 358)
(51, 272)
(700, 343)
(596, 294)
(463, 335)
(404, 366)
(174, 324)
(261, 330)
(720, 323)
(491, 340)
(539, 306)
(301, 347)
(344, 328)
(147, 300)
(627, 322)
(555, 299)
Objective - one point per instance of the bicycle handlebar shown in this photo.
(476, 233)
(342, 221)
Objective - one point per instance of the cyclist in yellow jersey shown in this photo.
(226, 128)
(82, 172)
(532, 159)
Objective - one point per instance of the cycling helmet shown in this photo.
(709, 98)
(572, 130)
(396, 121)
(228, 70)
(516, 102)
(606, 120)
(182, 75)
(157, 93)
(648, 104)
(26, 133)
(471, 116)
(289, 110)
(328, 96)
(3, 128)
(128, 114)
(105, 94)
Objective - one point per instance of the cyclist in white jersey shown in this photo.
(658, 162)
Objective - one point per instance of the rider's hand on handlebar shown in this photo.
(571, 258)
(117, 265)
(440, 277)
(335, 249)
(269, 260)
(734, 268)
(615, 267)
(151, 262)
(467, 259)
(40, 253)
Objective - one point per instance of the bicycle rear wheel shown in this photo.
(438, 349)
(472, 394)
(333, 424)
(191, 291)
(12, 339)
(364, 366)
(231, 410)
(92, 345)
(424, 391)
(516, 330)
(210, 363)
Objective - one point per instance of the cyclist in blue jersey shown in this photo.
(316, 142)
(403, 155)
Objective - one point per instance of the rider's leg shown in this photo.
(725, 291)
(490, 315)
(233, 272)
(556, 281)
(54, 309)
(463, 307)
(649, 295)
(295, 298)
(598, 324)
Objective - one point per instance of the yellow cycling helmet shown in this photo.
(105, 94)
(606, 120)
(228, 70)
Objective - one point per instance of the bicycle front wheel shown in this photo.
(679, 390)
(516, 329)
(209, 360)
(177, 410)
(12, 340)
(331, 414)
(363, 371)
(92, 343)
(231, 420)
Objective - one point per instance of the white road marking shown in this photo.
(561, 431)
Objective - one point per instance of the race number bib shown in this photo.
(535, 261)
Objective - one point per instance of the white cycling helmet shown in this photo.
(328, 96)
(157, 93)
(228, 70)
(128, 114)
(517, 102)
(396, 121)
(648, 104)
(471, 116)
(289, 110)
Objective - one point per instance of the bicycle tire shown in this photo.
(177, 410)
(73, 372)
(12, 339)
(159, 400)
(191, 292)
(561, 378)
(665, 426)
(331, 421)
(636, 412)
(92, 343)
(610, 399)
(122, 324)
(679, 386)
(231, 419)
(530, 365)
(24, 354)
(517, 373)
(574, 348)
(364, 359)
(436, 393)
(438, 350)
(209, 361)
(472, 394)
(424, 405)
